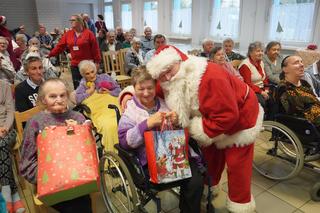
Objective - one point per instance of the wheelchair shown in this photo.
(124, 186)
(285, 145)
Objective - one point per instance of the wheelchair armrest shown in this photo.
(112, 106)
(124, 151)
(286, 117)
(82, 108)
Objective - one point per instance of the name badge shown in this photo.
(75, 48)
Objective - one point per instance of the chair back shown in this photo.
(122, 55)
(111, 62)
(22, 117)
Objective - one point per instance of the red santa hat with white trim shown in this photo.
(2, 20)
(164, 57)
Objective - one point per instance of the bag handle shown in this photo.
(166, 124)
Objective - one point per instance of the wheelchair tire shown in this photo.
(278, 153)
(117, 187)
(315, 192)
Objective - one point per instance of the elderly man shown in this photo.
(311, 75)
(44, 38)
(120, 35)
(147, 40)
(207, 45)
(90, 23)
(159, 40)
(111, 43)
(27, 91)
(221, 112)
(228, 45)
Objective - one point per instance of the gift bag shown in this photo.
(167, 155)
(67, 163)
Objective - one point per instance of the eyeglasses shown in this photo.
(72, 20)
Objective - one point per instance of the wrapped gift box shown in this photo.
(67, 163)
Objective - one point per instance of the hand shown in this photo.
(3, 132)
(265, 94)
(71, 122)
(103, 91)
(91, 89)
(173, 116)
(124, 101)
(155, 120)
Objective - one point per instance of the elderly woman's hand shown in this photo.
(91, 89)
(173, 116)
(155, 120)
(103, 90)
(124, 101)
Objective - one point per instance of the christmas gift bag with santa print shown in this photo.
(67, 163)
(167, 155)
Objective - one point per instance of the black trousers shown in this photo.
(190, 189)
(80, 204)
(76, 77)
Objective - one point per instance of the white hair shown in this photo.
(146, 27)
(206, 40)
(83, 65)
(135, 40)
(22, 37)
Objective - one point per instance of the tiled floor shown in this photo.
(270, 196)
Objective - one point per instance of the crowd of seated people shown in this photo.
(299, 89)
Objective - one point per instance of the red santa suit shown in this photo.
(221, 112)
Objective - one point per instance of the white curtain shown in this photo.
(126, 16)
(150, 15)
(225, 19)
(181, 17)
(108, 16)
(294, 19)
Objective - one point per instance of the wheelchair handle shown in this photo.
(112, 106)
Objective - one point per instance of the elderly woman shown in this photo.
(207, 45)
(53, 94)
(272, 61)
(9, 188)
(252, 71)
(21, 41)
(296, 95)
(217, 55)
(82, 44)
(97, 91)
(145, 112)
(7, 71)
(134, 56)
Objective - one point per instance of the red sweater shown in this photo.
(86, 42)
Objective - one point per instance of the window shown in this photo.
(126, 16)
(225, 19)
(181, 17)
(291, 20)
(108, 14)
(150, 15)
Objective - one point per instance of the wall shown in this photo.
(20, 13)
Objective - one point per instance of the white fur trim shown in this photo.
(126, 90)
(244, 137)
(241, 138)
(241, 207)
(159, 62)
(184, 87)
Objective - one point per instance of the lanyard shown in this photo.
(76, 38)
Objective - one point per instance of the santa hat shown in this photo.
(2, 20)
(164, 57)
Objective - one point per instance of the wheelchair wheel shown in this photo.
(278, 152)
(117, 187)
(315, 192)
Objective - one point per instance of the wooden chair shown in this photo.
(236, 63)
(20, 119)
(111, 62)
(114, 61)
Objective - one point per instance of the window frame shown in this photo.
(144, 1)
(171, 21)
(294, 43)
(109, 4)
(122, 2)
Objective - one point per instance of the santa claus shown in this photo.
(221, 112)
